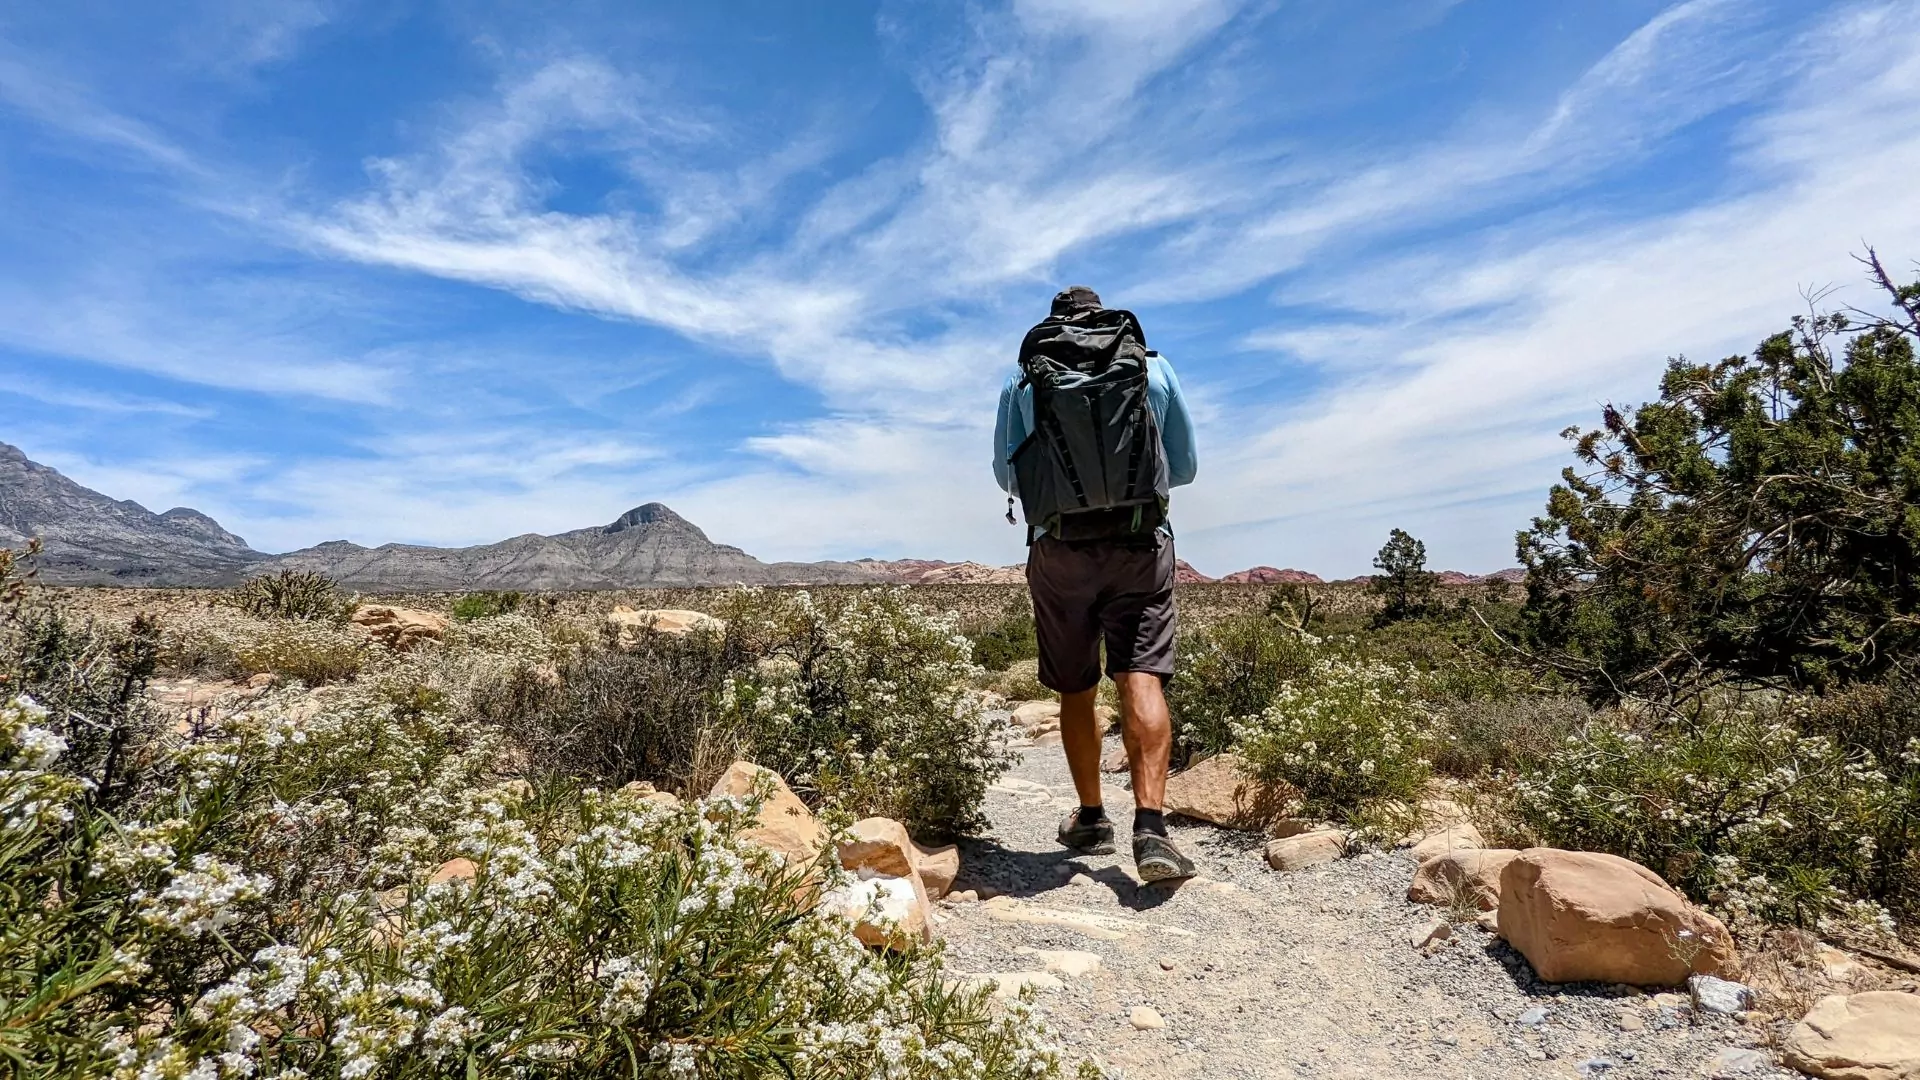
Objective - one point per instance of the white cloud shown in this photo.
(1577, 318)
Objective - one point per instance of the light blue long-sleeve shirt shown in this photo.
(1163, 397)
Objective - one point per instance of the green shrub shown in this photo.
(1007, 638)
(1230, 672)
(487, 604)
(1737, 805)
(270, 914)
(1353, 736)
(1509, 732)
(1021, 682)
(610, 715)
(315, 653)
(861, 701)
(291, 594)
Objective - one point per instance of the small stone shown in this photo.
(938, 866)
(1717, 995)
(1009, 984)
(1306, 849)
(964, 896)
(1166, 964)
(1144, 1018)
(453, 869)
(1837, 966)
(1430, 934)
(1739, 1061)
(1596, 1066)
(1454, 837)
(1448, 1039)
(1047, 738)
(1080, 879)
(1068, 962)
(1631, 1020)
(1533, 1017)
(1365, 857)
(1488, 921)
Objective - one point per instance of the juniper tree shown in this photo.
(1760, 522)
(1403, 584)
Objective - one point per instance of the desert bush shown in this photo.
(1736, 804)
(315, 653)
(596, 936)
(1230, 672)
(1292, 602)
(291, 594)
(1021, 682)
(1008, 637)
(1353, 736)
(1504, 733)
(91, 678)
(487, 604)
(608, 715)
(860, 700)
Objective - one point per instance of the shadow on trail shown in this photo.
(991, 868)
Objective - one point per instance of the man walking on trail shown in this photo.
(1091, 436)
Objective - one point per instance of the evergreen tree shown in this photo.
(1760, 522)
(1403, 584)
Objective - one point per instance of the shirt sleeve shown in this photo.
(1009, 431)
(1176, 433)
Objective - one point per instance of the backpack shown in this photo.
(1093, 467)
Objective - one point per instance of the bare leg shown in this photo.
(1080, 738)
(1147, 731)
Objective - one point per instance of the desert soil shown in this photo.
(1312, 973)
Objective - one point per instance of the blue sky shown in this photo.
(447, 273)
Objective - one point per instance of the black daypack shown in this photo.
(1093, 467)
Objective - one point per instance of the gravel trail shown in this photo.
(1313, 973)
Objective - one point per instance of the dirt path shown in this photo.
(1312, 973)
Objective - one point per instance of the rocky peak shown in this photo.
(648, 514)
(195, 523)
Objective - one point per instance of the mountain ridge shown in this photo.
(94, 539)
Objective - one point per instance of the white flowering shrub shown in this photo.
(1733, 802)
(861, 700)
(335, 889)
(1352, 735)
(1229, 673)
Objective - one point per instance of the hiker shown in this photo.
(1091, 436)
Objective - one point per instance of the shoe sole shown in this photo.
(1163, 870)
(1098, 847)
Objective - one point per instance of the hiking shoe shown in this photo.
(1094, 838)
(1158, 859)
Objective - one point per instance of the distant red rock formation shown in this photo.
(1185, 574)
(1267, 575)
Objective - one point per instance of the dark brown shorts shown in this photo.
(1084, 592)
